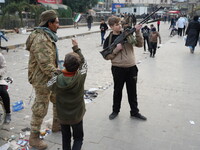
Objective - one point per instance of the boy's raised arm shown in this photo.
(77, 50)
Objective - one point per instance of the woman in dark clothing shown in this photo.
(192, 33)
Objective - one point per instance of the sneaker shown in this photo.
(8, 118)
(139, 116)
(113, 115)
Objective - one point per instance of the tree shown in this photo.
(36, 10)
(80, 6)
(14, 8)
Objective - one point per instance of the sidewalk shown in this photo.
(18, 40)
(168, 95)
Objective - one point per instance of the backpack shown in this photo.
(145, 32)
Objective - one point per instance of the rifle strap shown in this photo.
(110, 38)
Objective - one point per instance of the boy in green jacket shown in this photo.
(69, 90)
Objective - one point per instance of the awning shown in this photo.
(174, 12)
(160, 12)
(101, 3)
(55, 6)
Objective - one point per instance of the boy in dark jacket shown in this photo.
(103, 28)
(145, 32)
(69, 89)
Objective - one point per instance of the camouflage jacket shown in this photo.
(42, 59)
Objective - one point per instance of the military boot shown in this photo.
(36, 142)
(56, 125)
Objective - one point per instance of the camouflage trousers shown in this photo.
(40, 107)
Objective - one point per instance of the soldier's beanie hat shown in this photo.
(46, 16)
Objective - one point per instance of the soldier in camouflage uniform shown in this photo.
(42, 65)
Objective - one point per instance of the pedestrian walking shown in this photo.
(165, 18)
(146, 32)
(173, 32)
(192, 33)
(173, 22)
(43, 62)
(128, 20)
(124, 69)
(69, 89)
(152, 27)
(186, 24)
(3, 89)
(158, 25)
(89, 21)
(181, 22)
(3, 37)
(169, 19)
(103, 28)
(77, 18)
(153, 38)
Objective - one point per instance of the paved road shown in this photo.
(168, 95)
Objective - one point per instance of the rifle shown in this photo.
(125, 33)
(153, 20)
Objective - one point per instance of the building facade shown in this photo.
(143, 1)
(108, 4)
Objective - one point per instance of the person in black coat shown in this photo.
(192, 33)
(89, 21)
(146, 32)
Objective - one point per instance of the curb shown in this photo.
(64, 26)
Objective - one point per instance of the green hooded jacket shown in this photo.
(69, 92)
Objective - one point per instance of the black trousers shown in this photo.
(184, 30)
(5, 97)
(77, 131)
(153, 48)
(128, 76)
(158, 26)
(180, 31)
(146, 40)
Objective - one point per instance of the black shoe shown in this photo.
(7, 49)
(8, 118)
(139, 116)
(113, 115)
